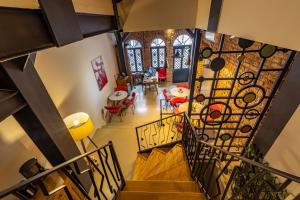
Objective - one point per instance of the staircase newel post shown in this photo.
(114, 156)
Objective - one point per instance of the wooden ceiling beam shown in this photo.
(23, 31)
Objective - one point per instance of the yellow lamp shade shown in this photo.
(80, 125)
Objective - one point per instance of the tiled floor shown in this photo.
(123, 135)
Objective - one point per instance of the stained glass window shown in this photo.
(134, 53)
(158, 53)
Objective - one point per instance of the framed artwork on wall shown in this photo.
(99, 71)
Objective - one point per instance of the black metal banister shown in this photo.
(209, 162)
(67, 166)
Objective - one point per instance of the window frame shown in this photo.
(158, 47)
(135, 48)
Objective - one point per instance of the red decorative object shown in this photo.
(215, 107)
(246, 129)
(121, 88)
(183, 85)
(176, 111)
(162, 74)
(176, 100)
(99, 71)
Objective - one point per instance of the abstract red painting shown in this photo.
(99, 71)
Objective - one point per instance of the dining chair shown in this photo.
(121, 88)
(162, 74)
(114, 111)
(129, 102)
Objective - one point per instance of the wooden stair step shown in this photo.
(172, 159)
(156, 156)
(139, 165)
(180, 172)
(142, 195)
(162, 186)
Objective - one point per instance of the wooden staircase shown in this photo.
(163, 174)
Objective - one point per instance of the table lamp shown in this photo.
(80, 126)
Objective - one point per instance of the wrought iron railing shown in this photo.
(103, 170)
(165, 108)
(165, 131)
(224, 175)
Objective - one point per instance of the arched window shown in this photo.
(181, 58)
(134, 53)
(182, 51)
(158, 53)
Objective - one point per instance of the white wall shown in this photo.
(284, 154)
(148, 15)
(69, 79)
(274, 22)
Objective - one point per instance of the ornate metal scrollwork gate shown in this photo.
(235, 83)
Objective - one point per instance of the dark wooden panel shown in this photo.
(282, 108)
(214, 15)
(62, 21)
(22, 31)
(91, 25)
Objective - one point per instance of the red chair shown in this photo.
(130, 102)
(121, 88)
(176, 100)
(167, 97)
(162, 74)
(114, 111)
(183, 85)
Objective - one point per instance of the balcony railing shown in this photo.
(102, 169)
(162, 132)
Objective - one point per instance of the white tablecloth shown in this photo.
(118, 96)
(180, 92)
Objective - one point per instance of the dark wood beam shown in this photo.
(124, 36)
(214, 15)
(190, 32)
(23, 31)
(91, 24)
(282, 107)
(35, 94)
(10, 102)
(40, 118)
(121, 54)
(61, 20)
(195, 58)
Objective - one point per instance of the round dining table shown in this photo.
(118, 96)
(180, 92)
(196, 107)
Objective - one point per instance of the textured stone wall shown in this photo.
(168, 36)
